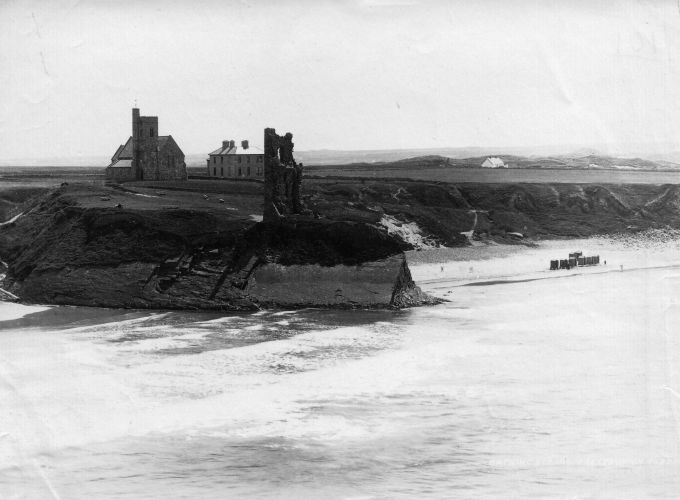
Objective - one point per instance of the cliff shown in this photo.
(71, 249)
(497, 212)
(196, 245)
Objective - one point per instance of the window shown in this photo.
(215, 171)
(248, 170)
(248, 159)
(239, 172)
(221, 159)
(222, 171)
(214, 160)
(151, 132)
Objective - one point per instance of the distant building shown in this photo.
(227, 161)
(146, 155)
(493, 162)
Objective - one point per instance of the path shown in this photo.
(468, 234)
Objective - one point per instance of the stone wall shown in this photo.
(119, 173)
(165, 164)
(282, 177)
(250, 165)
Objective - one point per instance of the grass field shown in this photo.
(48, 177)
(445, 203)
(502, 176)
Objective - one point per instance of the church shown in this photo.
(147, 155)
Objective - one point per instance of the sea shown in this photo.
(526, 383)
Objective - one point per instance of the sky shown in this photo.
(354, 74)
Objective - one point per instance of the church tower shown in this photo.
(144, 145)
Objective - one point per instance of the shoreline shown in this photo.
(556, 276)
(502, 264)
(496, 264)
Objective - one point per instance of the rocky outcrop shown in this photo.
(326, 263)
(382, 283)
(61, 252)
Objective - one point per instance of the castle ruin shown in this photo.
(282, 177)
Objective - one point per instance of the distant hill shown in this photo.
(583, 158)
(344, 157)
(589, 162)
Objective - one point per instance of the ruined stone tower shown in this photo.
(282, 177)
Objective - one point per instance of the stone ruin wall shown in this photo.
(282, 177)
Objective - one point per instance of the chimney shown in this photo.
(244, 144)
(225, 144)
(232, 144)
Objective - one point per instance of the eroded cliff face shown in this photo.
(449, 214)
(373, 284)
(61, 252)
(325, 263)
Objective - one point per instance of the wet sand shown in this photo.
(496, 264)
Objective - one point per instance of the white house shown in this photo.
(493, 162)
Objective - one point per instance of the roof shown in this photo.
(247, 152)
(121, 164)
(252, 150)
(115, 155)
(123, 151)
(222, 151)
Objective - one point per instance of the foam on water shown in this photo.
(93, 393)
(224, 319)
(550, 387)
(11, 310)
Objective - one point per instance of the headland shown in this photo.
(203, 243)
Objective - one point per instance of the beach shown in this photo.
(479, 264)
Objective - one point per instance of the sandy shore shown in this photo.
(497, 263)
